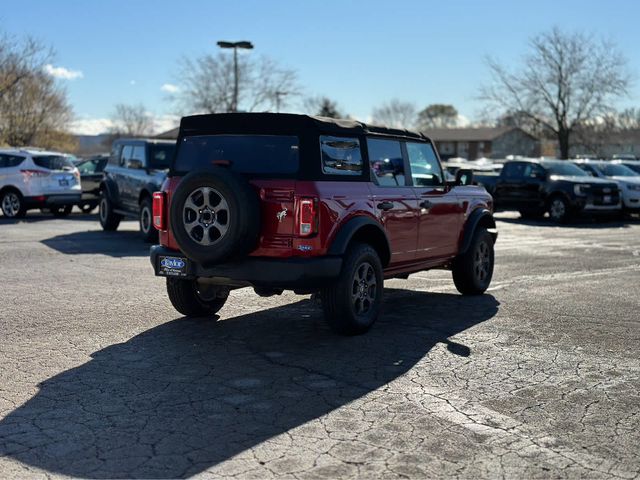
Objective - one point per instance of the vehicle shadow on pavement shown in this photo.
(189, 394)
(114, 244)
(41, 217)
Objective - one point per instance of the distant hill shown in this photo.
(92, 144)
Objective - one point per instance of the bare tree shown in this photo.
(131, 121)
(395, 114)
(207, 84)
(323, 107)
(628, 119)
(565, 81)
(437, 116)
(34, 110)
(19, 59)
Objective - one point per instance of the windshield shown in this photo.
(260, 154)
(53, 162)
(160, 155)
(564, 168)
(615, 170)
(634, 166)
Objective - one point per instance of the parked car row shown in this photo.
(563, 189)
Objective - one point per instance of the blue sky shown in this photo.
(358, 53)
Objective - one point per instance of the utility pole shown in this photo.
(278, 94)
(235, 46)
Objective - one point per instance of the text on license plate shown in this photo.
(172, 266)
(63, 182)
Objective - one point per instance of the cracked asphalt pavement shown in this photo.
(538, 378)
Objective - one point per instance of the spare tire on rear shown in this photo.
(215, 216)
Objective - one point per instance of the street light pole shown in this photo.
(235, 46)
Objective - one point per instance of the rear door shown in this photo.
(394, 198)
(440, 211)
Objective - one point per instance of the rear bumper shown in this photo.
(285, 273)
(51, 200)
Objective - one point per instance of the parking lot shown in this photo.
(102, 378)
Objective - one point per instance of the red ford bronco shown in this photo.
(314, 205)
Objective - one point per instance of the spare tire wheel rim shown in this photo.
(206, 216)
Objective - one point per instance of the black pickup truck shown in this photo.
(534, 187)
(136, 169)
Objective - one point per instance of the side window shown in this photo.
(340, 156)
(513, 170)
(425, 167)
(8, 161)
(116, 152)
(138, 154)
(386, 162)
(531, 170)
(127, 154)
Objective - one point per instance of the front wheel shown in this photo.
(559, 210)
(108, 218)
(352, 304)
(193, 299)
(148, 231)
(473, 270)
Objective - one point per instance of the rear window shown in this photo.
(160, 155)
(258, 154)
(7, 161)
(53, 162)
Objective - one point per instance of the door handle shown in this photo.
(385, 205)
(426, 204)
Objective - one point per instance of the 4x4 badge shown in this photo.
(281, 214)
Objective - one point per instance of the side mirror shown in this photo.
(464, 177)
(134, 163)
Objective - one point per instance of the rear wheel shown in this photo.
(62, 211)
(194, 299)
(149, 233)
(108, 218)
(473, 270)
(352, 304)
(13, 205)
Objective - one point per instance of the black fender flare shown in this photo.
(480, 217)
(147, 191)
(375, 235)
(111, 187)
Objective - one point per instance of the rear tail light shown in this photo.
(28, 173)
(307, 217)
(159, 210)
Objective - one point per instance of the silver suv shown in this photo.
(37, 179)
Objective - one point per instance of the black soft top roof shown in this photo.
(283, 124)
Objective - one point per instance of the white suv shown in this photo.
(37, 179)
(627, 179)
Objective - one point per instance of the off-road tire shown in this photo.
(15, 198)
(242, 216)
(145, 219)
(339, 300)
(473, 270)
(108, 218)
(62, 211)
(187, 300)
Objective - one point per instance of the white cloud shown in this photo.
(63, 73)
(169, 88)
(163, 123)
(90, 126)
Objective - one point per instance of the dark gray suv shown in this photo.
(136, 169)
